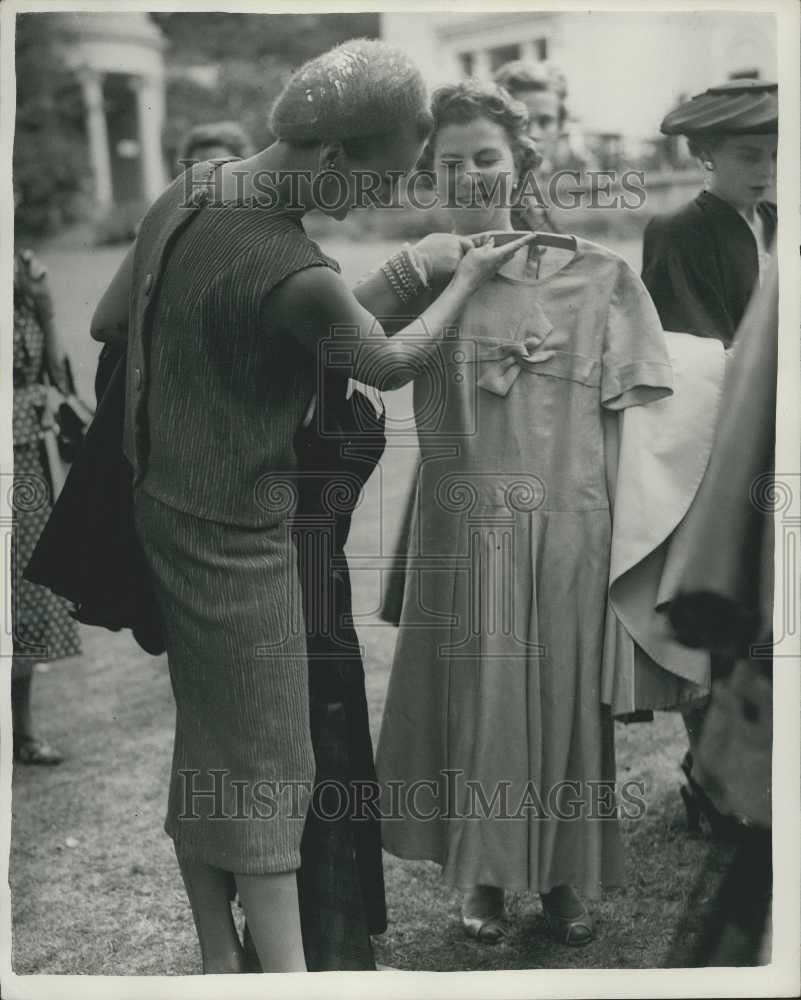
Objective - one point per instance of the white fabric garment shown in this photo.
(658, 456)
(757, 227)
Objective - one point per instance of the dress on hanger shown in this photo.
(497, 672)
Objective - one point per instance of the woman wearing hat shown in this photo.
(227, 307)
(702, 263)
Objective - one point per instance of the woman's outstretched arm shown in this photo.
(437, 256)
(317, 308)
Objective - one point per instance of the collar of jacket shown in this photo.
(709, 202)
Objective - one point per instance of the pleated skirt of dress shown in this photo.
(496, 758)
(243, 765)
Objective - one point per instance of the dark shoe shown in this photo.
(697, 804)
(575, 931)
(489, 927)
(29, 750)
(487, 930)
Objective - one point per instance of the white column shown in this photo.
(529, 51)
(481, 64)
(92, 86)
(150, 111)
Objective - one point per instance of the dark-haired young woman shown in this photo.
(702, 263)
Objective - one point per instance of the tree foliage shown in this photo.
(254, 55)
(216, 37)
(50, 160)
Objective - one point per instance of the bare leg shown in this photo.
(208, 890)
(271, 909)
(21, 680)
(563, 901)
(482, 901)
(27, 748)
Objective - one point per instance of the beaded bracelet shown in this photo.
(414, 260)
(404, 274)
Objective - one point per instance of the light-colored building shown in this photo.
(625, 71)
(118, 59)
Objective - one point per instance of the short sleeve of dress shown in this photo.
(636, 366)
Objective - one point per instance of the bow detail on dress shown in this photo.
(508, 359)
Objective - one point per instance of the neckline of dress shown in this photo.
(536, 282)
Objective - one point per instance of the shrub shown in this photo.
(120, 224)
(50, 159)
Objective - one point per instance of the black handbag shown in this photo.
(72, 418)
(73, 423)
(89, 552)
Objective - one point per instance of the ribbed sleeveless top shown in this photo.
(225, 391)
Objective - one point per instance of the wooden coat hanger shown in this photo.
(557, 240)
(503, 236)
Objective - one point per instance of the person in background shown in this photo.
(725, 604)
(702, 263)
(215, 141)
(43, 629)
(543, 89)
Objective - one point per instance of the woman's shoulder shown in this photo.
(282, 235)
(689, 219)
(279, 252)
(306, 289)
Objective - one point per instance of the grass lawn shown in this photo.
(95, 886)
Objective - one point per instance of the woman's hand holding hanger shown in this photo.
(485, 258)
(439, 255)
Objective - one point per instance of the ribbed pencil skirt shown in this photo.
(243, 764)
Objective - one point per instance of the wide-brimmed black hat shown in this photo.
(740, 107)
